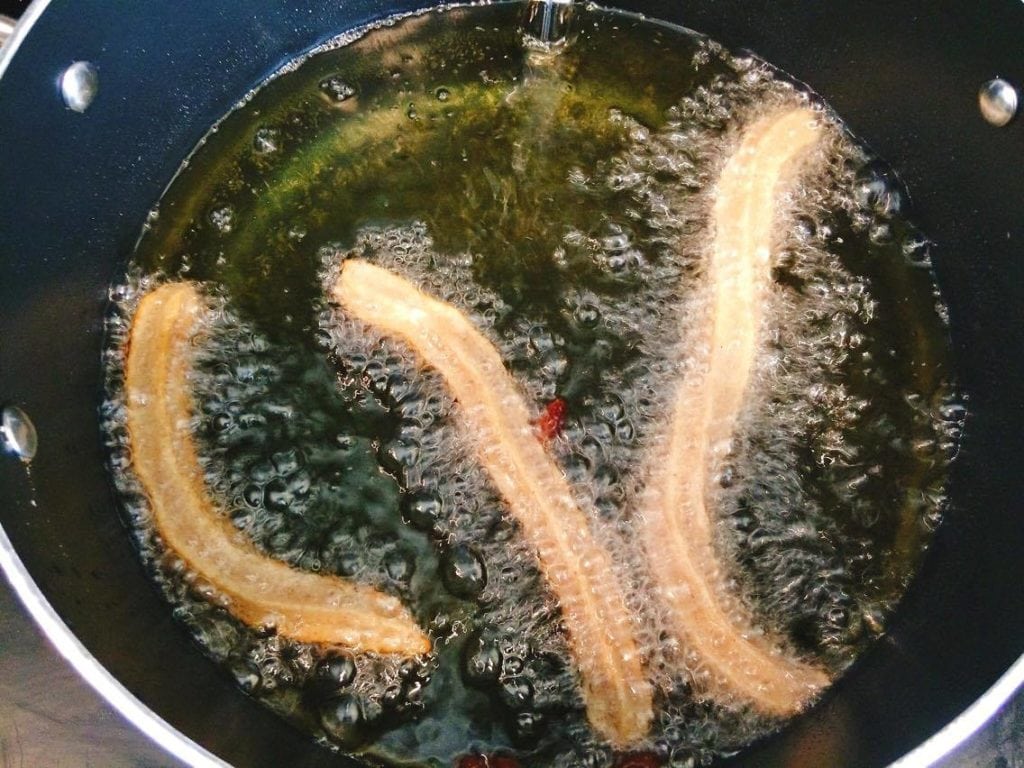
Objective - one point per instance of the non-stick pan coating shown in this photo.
(75, 188)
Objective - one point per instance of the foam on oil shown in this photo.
(563, 203)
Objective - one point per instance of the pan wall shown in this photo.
(75, 188)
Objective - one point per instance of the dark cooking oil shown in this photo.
(561, 199)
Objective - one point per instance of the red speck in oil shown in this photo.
(552, 420)
(638, 760)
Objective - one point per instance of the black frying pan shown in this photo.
(75, 188)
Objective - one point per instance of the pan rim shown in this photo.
(92, 671)
(935, 748)
(21, 30)
(967, 723)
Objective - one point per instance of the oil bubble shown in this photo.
(247, 674)
(482, 660)
(343, 721)
(529, 727)
(337, 89)
(423, 510)
(399, 566)
(516, 692)
(463, 572)
(265, 141)
(222, 219)
(917, 250)
(335, 671)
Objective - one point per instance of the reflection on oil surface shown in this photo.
(562, 202)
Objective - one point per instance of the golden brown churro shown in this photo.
(262, 591)
(676, 507)
(578, 569)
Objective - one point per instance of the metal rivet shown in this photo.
(17, 433)
(997, 100)
(79, 84)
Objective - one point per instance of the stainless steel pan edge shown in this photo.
(172, 740)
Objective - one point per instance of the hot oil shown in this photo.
(561, 200)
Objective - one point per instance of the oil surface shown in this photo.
(562, 201)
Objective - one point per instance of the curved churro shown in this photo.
(676, 516)
(262, 591)
(615, 688)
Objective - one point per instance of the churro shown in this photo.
(497, 420)
(259, 590)
(677, 505)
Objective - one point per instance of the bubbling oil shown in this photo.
(562, 202)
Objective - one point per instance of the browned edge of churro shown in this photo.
(260, 591)
(677, 506)
(579, 571)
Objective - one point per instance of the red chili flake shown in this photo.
(638, 760)
(552, 420)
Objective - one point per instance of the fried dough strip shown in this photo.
(676, 507)
(262, 591)
(579, 571)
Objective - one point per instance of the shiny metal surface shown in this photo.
(547, 21)
(18, 433)
(49, 716)
(956, 737)
(79, 85)
(998, 101)
(12, 39)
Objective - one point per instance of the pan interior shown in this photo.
(553, 197)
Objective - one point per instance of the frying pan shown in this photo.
(75, 189)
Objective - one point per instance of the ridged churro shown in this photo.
(677, 505)
(260, 591)
(578, 570)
